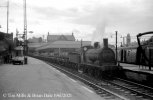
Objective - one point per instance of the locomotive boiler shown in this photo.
(99, 62)
(100, 56)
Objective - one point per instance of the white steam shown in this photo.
(99, 32)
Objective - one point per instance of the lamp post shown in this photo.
(116, 34)
(116, 47)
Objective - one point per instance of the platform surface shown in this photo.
(137, 68)
(40, 81)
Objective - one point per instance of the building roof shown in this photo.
(65, 44)
(35, 40)
(51, 38)
(36, 45)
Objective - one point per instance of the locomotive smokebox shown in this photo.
(96, 45)
(105, 42)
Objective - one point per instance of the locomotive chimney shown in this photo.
(96, 45)
(105, 42)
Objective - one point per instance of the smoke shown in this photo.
(99, 32)
(124, 16)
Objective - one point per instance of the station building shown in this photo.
(58, 45)
(62, 47)
(53, 38)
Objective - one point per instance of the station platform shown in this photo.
(140, 74)
(40, 81)
(133, 67)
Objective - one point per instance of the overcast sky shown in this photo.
(88, 19)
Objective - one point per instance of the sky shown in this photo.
(88, 19)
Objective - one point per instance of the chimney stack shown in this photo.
(105, 42)
(96, 45)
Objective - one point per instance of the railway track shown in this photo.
(128, 89)
(104, 93)
(122, 88)
(116, 89)
(138, 90)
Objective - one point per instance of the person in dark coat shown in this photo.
(138, 55)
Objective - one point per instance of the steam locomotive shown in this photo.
(98, 55)
(98, 62)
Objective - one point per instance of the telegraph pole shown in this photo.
(25, 21)
(25, 31)
(7, 15)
